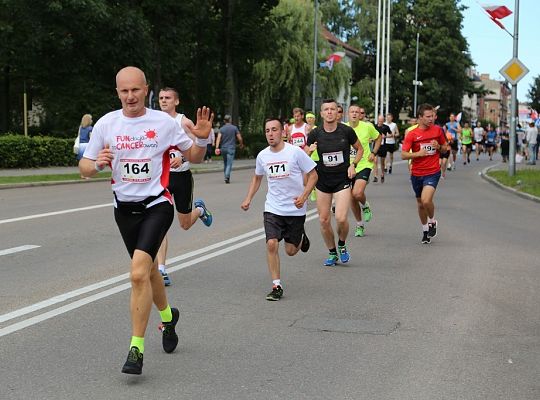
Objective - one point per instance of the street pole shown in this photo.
(416, 74)
(377, 63)
(25, 110)
(314, 78)
(513, 104)
(383, 45)
(388, 61)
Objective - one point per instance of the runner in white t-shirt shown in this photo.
(285, 209)
(135, 142)
(390, 140)
(180, 180)
(479, 135)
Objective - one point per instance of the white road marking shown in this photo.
(72, 210)
(109, 292)
(18, 249)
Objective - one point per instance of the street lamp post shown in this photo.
(315, 51)
(416, 82)
(513, 106)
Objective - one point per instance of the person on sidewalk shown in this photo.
(532, 135)
(226, 145)
(143, 211)
(284, 166)
(180, 179)
(426, 141)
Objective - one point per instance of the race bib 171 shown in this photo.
(277, 170)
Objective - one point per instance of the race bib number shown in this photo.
(429, 148)
(278, 170)
(332, 159)
(353, 153)
(299, 141)
(136, 170)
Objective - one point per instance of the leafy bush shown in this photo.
(17, 151)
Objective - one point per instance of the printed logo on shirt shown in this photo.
(128, 142)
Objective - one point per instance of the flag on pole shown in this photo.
(332, 59)
(496, 13)
(458, 117)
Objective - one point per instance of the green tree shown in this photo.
(534, 94)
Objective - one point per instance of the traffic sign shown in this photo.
(514, 70)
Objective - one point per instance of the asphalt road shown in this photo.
(457, 319)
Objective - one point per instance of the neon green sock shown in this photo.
(137, 342)
(166, 314)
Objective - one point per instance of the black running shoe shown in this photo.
(134, 362)
(432, 232)
(305, 243)
(375, 180)
(390, 170)
(275, 294)
(170, 338)
(425, 238)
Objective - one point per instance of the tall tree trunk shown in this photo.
(4, 102)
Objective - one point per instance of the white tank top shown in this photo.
(173, 153)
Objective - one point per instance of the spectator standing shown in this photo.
(531, 138)
(226, 145)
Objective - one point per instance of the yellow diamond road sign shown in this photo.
(513, 71)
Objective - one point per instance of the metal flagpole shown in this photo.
(388, 61)
(513, 104)
(415, 83)
(383, 42)
(377, 62)
(314, 78)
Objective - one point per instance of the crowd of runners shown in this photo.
(331, 163)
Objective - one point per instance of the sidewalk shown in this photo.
(195, 168)
(215, 166)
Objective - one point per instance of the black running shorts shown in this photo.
(181, 187)
(145, 231)
(333, 183)
(445, 155)
(289, 228)
(382, 152)
(363, 174)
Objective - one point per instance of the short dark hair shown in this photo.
(298, 109)
(272, 119)
(424, 107)
(328, 101)
(170, 89)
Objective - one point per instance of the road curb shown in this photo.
(194, 170)
(495, 182)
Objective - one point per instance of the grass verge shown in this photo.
(46, 178)
(525, 180)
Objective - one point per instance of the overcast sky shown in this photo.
(491, 47)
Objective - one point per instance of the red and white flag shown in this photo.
(332, 59)
(497, 12)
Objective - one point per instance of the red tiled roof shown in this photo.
(333, 40)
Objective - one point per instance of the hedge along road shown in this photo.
(395, 323)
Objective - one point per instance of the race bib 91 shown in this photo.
(136, 170)
(332, 159)
(429, 148)
(277, 170)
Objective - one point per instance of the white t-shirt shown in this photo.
(393, 127)
(284, 172)
(173, 153)
(478, 134)
(140, 167)
(532, 134)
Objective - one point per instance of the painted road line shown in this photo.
(18, 249)
(72, 210)
(117, 289)
(99, 285)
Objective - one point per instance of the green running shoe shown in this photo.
(366, 212)
(359, 231)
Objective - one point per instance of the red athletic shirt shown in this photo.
(421, 138)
